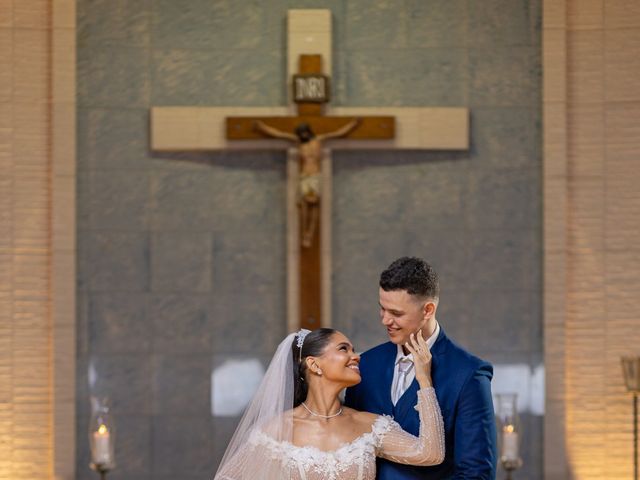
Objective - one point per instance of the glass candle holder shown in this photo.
(509, 430)
(631, 372)
(101, 435)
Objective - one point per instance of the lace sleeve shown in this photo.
(401, 447)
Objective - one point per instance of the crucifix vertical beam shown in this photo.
(309, 279)
(309, 171)
(310, 263)
(307, 266)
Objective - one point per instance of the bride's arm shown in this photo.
(427, 449)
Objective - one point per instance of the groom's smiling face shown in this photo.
(402, 314)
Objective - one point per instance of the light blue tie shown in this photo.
(403, 369)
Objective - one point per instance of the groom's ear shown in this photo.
(429, 309)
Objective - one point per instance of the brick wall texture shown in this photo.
(592, 259)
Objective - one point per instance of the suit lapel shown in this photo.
(387, 378)
(441, 344)
(438, 352)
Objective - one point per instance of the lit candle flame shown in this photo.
(509, 428)
(102, 429)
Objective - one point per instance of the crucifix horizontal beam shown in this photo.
(205, 128)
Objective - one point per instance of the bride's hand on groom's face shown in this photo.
(421, 359)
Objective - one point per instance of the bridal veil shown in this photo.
(270, 413)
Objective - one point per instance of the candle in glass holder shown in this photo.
(509, 443)
(101, 446)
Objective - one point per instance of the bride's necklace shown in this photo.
(320, 415)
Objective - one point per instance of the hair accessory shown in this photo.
(301, 336)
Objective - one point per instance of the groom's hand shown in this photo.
(417, 346)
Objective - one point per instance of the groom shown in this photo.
(409, 296)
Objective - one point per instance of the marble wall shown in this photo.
(181, 258)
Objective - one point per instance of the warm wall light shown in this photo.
(631, 372)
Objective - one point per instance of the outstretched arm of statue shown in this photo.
(273, 132)
(342, 131)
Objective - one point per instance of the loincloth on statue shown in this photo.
(310, 185)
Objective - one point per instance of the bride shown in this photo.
(296, 428)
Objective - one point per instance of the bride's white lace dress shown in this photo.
(353, 460)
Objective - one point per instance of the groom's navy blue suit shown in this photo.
(463, 388)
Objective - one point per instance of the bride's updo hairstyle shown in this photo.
(313, 346)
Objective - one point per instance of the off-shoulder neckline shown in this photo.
(376, 426)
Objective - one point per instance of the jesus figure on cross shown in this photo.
(310, 157)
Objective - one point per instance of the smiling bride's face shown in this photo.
(339, 363)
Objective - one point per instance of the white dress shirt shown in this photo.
(403, 371)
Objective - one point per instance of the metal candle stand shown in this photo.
(631, 373)
(510, 466)
(101, 469)
(635, 435)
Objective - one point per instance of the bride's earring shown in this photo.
(319, 372)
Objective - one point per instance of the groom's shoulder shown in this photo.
(465, 359)
(382, 350)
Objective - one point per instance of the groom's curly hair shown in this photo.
(412, 274)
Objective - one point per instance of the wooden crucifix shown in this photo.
(308, 131)
(190, 128)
